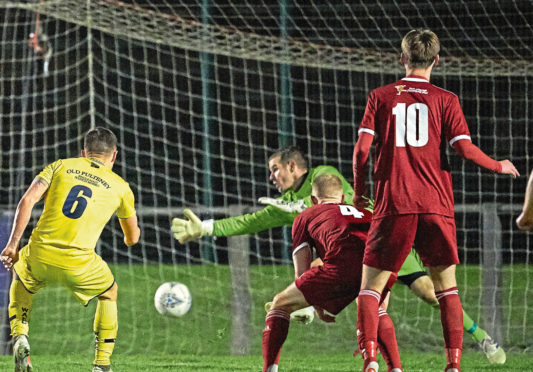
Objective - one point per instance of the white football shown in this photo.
(172, 299)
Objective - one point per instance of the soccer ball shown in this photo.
(172, 299)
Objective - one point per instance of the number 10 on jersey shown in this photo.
(411, 124)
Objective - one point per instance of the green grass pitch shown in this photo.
(61, 329)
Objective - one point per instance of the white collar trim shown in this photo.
(415, 79)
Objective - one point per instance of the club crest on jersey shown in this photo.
(400, 89)
(403, 88)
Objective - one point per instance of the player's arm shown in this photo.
(360, 163)
(456, 130)
(192, 228)
(34, 193)
(525, 220)
(469, 151)
(301, 258)
(362, 150)
(131, 230)
(127, 218)
(302, 254)
(250, 223)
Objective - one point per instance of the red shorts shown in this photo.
(329, 287)
(390, 239)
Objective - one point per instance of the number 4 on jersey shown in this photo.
(348, 210)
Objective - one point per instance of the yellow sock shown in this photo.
(105, 330)
(20, 305)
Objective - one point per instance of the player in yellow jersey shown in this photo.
(80, 196)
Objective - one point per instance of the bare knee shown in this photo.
(111, 294)
(280, 302)
(291, 299)
(443, 277)
(423, 289)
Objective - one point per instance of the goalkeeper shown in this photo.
(290, 174)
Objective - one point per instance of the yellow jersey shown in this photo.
(82, 196)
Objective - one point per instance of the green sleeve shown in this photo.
(412, 264)
(251, 223)
(270, 216)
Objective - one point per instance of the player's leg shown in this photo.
(386, 338)
(25, 283)
(89, 278)
(414, 276)
(389, 242)
(423, 288)
(387, 342)
(20, 306)
(105, 328)
(373, 282)
(451, 313)
(436, 244)
(277, 324)
(386, 334)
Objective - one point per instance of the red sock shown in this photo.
(453, 358)
(274, 335)
(451, 315)
(387, 341)
(367, 323)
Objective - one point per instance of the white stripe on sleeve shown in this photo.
(303, 245)
(462, 136)
(366, 130)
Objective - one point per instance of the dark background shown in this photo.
(151, 95)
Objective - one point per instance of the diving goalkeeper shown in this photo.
(291, 175)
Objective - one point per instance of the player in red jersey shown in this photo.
(338, 233)
(411, 121)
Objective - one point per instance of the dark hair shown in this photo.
(290, 153)
(100, 141)
(420, 47)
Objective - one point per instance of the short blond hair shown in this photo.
(327, 186)
(420, 47)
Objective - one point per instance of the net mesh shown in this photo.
(200, 94)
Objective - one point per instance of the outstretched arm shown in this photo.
(525, 220)
(22, 216)
(469, 151)
(192, 228)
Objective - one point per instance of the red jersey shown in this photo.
(412, 120)
(333, 230)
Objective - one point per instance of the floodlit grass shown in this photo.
(62, 340)
(293, 362)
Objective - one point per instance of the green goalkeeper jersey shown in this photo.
(271, 216)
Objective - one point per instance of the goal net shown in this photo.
(200, 93)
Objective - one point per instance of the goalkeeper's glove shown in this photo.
(192, 228)
(286, 206)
